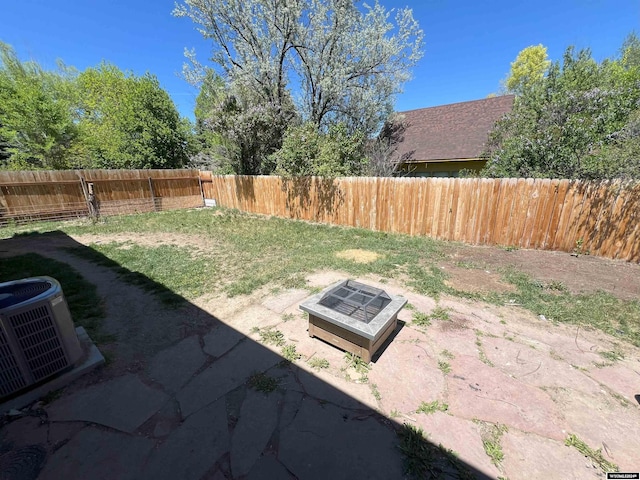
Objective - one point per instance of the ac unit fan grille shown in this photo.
(11, 378)
(36, 333)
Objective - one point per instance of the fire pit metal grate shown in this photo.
(356, 300)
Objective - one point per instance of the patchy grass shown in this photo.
(421, 319)
(432, 407)
(423, 459)
(612, 355)
(82, 297)
(168, 271)
(598, 310)
(440, 313)
(444, 367)
(491, 434)
(594, 455)
(447, 354)
(290, 354)
(375, 392)
(357, 363)
(262, 382)
(418, 457)
(318, 363)
(481, 353)
(245, 240)
(270, 336)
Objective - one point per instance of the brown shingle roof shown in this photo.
(451, 132)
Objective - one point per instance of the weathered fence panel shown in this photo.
(65, 194)
(599, 217)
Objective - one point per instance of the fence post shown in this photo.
(201, 190)
(153, 195)
(90, 198)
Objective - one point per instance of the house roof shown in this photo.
(451, 132)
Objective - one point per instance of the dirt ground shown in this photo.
(583, 273)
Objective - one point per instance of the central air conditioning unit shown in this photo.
(37, 335)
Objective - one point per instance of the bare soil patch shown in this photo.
(475, 280)
(358, 255)
(582, 274)
(197, 242)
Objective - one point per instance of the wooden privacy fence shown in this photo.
(597, 217)
(65, 194)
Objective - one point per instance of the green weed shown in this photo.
(444, 367)
(271, 336)
(318, 363)
(262, 382)
(447, 354)
(432, 407)
(289, 353)
(595, 455)
(421, 319)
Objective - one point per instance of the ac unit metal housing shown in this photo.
(37, 335)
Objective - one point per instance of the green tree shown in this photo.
(630, 51)
(344, 64)
(249, 129)
(527, 69)
(38, 127)
(129, 121)
(211, 148)
(306, 151)
(566, 124)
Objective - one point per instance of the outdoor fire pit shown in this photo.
(353, 316)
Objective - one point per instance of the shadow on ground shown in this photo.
(185, 396)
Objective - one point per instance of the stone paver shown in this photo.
(326, 386)
(123, 403)
(325, 441)
(224, 375)
(221, 339)
(268, 468)
(528, 456)
(258, 420)
(536, 367)
(174, 366)
(98, 454)
(296, 332)
(319, 424)
(603, 423)
(284, 300)
(407, 376)
(193, 448)
(544, 335)
(289, 407)
(460, 435)
(623, 381)
(253, 316)
(479, 391)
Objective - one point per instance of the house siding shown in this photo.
(445, 168)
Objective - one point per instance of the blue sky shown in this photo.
(469, 44)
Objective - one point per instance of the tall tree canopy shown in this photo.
(99, 118)
(129, 121)
(38, 127)
(527, 69)
(326, 62)
(574, 122)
